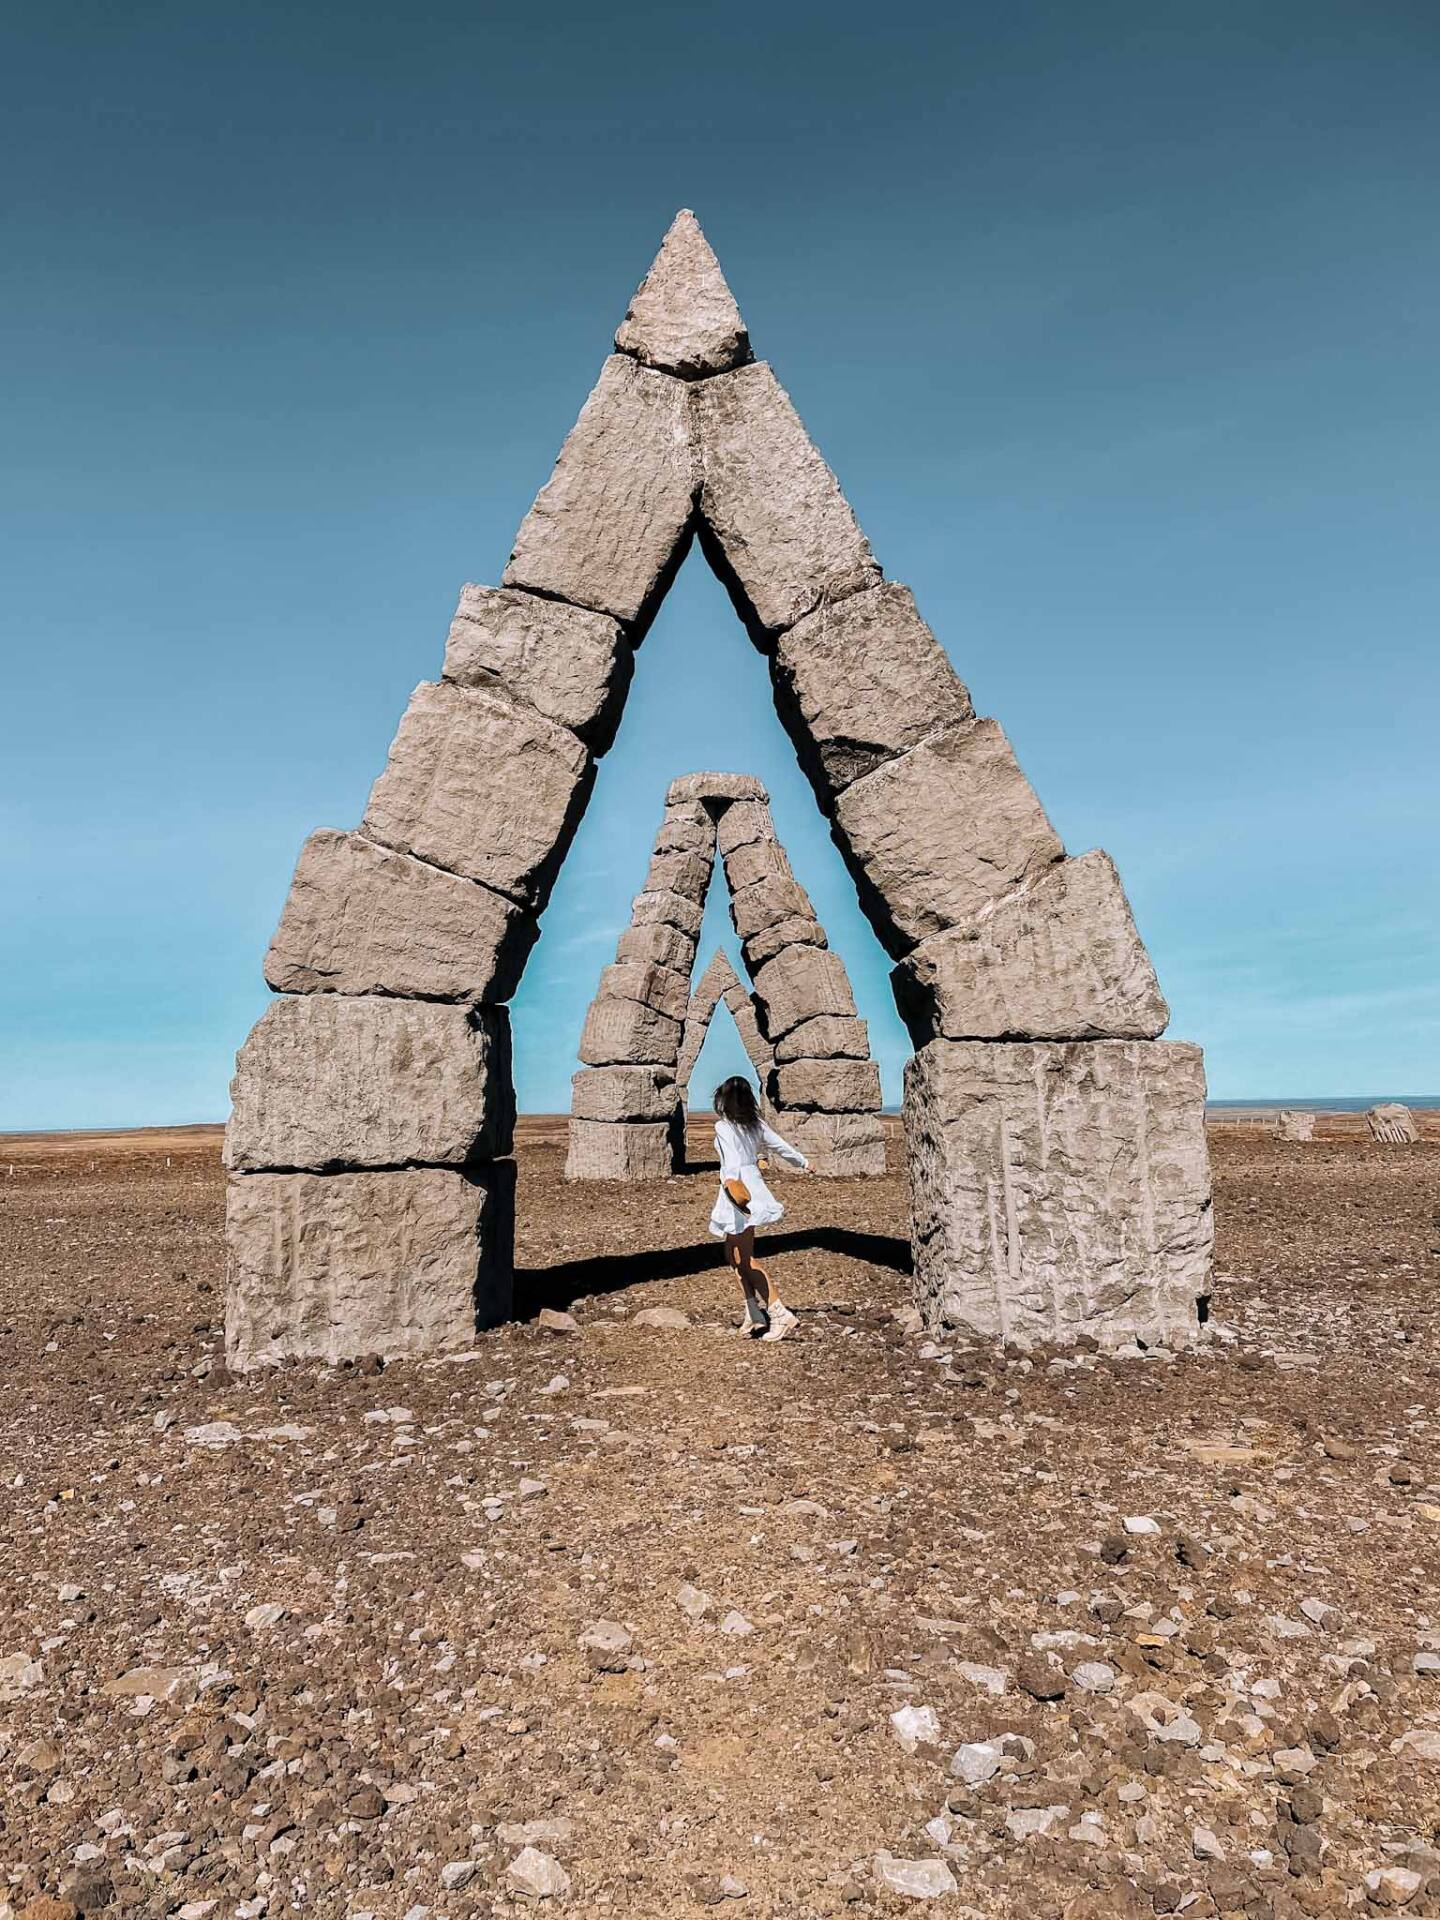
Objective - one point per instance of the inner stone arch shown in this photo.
(1059, 1179)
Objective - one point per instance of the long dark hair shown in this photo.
(735, 1101)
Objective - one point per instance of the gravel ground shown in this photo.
(646, 1620)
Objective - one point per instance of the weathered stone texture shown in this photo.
(683, 317)
(625, 1033)
(767, 903)
(798, 984)
(482, 787)
(656, 944)
(623, 1093)
(937, 835)
(689, 828)
(1294, 1124)
(801, 931)
(862, 681)
(741, 823)
(332, 1080)
(1059, 1190)
(839, 1146)
(831, 1086)
(827, 1037)
(668, 909)
(758, 860)
(332, 1266)
(658, 987)
(566, 661)
(640, 1150)
(1393, 1124)
(687, 874)
(361, 919)
(1061, 960)
(770, 505)
(722, 788)
(614, 515)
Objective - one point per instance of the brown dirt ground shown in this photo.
(415, 1688)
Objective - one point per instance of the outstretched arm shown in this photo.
(782, 1147)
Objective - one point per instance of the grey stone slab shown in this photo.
(722, 789)
(683, 317)
(658, 987)
(626, 1033)
(935, 837)
(775, 522)
(481, 787)
(620, 1150)
(798, 984)
(766, 904)
(861, 681)
(669, 909)
(828, 1037)
(338, 1080)
(1060, 960)
(830, 1086)
(362, 919)
(623, 1093)
(569, 663)
(331, 1267)
(612, 522)
(839, 1146)
(1060, 1189)
(798, 931)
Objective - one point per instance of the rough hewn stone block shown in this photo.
(774, 517)
(658, 987)
(1295, 1125)
(797, 984)
(612, 520)
(722, 788)
(767, 903)
(688, 828)
(669, 909)
(757, 860)
(687, 874)
(361, 919)
(620, 1150)
(839, 1146)
(623, 1093)
(332, 1266)
(625, 1033)
(761, 947)
(827, 1037)
(1058, 1190)
(657, 944)
(339, 1080)
(937, 835)
(566, 661)
(830, 1086)
(862, 681)
(741, 823)
(1061, 960)
(482, 787)
(683, 317)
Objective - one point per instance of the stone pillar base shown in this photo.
(838, 1145)
(330, 1266)
(621, 1149)
(1059, 1189)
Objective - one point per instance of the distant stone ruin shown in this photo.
(1294, 1124)
(1393, 1124)
(1059, 1180)
(644, 1029)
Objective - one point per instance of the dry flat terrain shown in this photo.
(665, 1620)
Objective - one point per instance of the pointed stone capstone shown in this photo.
(683, 318)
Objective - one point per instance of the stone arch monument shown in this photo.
(810, 1048)
(1059, 1180)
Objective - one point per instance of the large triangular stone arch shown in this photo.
(1059, 1181)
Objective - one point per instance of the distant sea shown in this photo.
(1341, 1103)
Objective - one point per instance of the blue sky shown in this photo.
(1116, 321)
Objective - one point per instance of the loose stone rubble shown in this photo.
(1012, 960)
(645, 1021)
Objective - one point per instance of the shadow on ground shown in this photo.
(571, 1280)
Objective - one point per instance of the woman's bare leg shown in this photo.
(739, 1249)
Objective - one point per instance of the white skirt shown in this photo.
(764, 1209)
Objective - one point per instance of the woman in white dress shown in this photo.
(744, 1202)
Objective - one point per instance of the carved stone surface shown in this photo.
(758, 860)
(361, 919)
(658, 987)
(687, 828)
(767, 903)
(719, 787)
(333, 1266)
(671, 910)
(839, 1146)
(613, 518)
(1393, 1124)
(566, 661)
(639, 1150)
(338, 1080)
(741, 823)
(828, 1036)
(803, 931)
(1058, 1190)
(937, 835)
(1294, 1124)
(625, 1033)
(683, 873)
(862, 681)
(656, 944)
(1060, 960)
(482, 787)
(623, 1093)
(831, 1086)
(798, 984)
(683, 317)
(774, 515)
